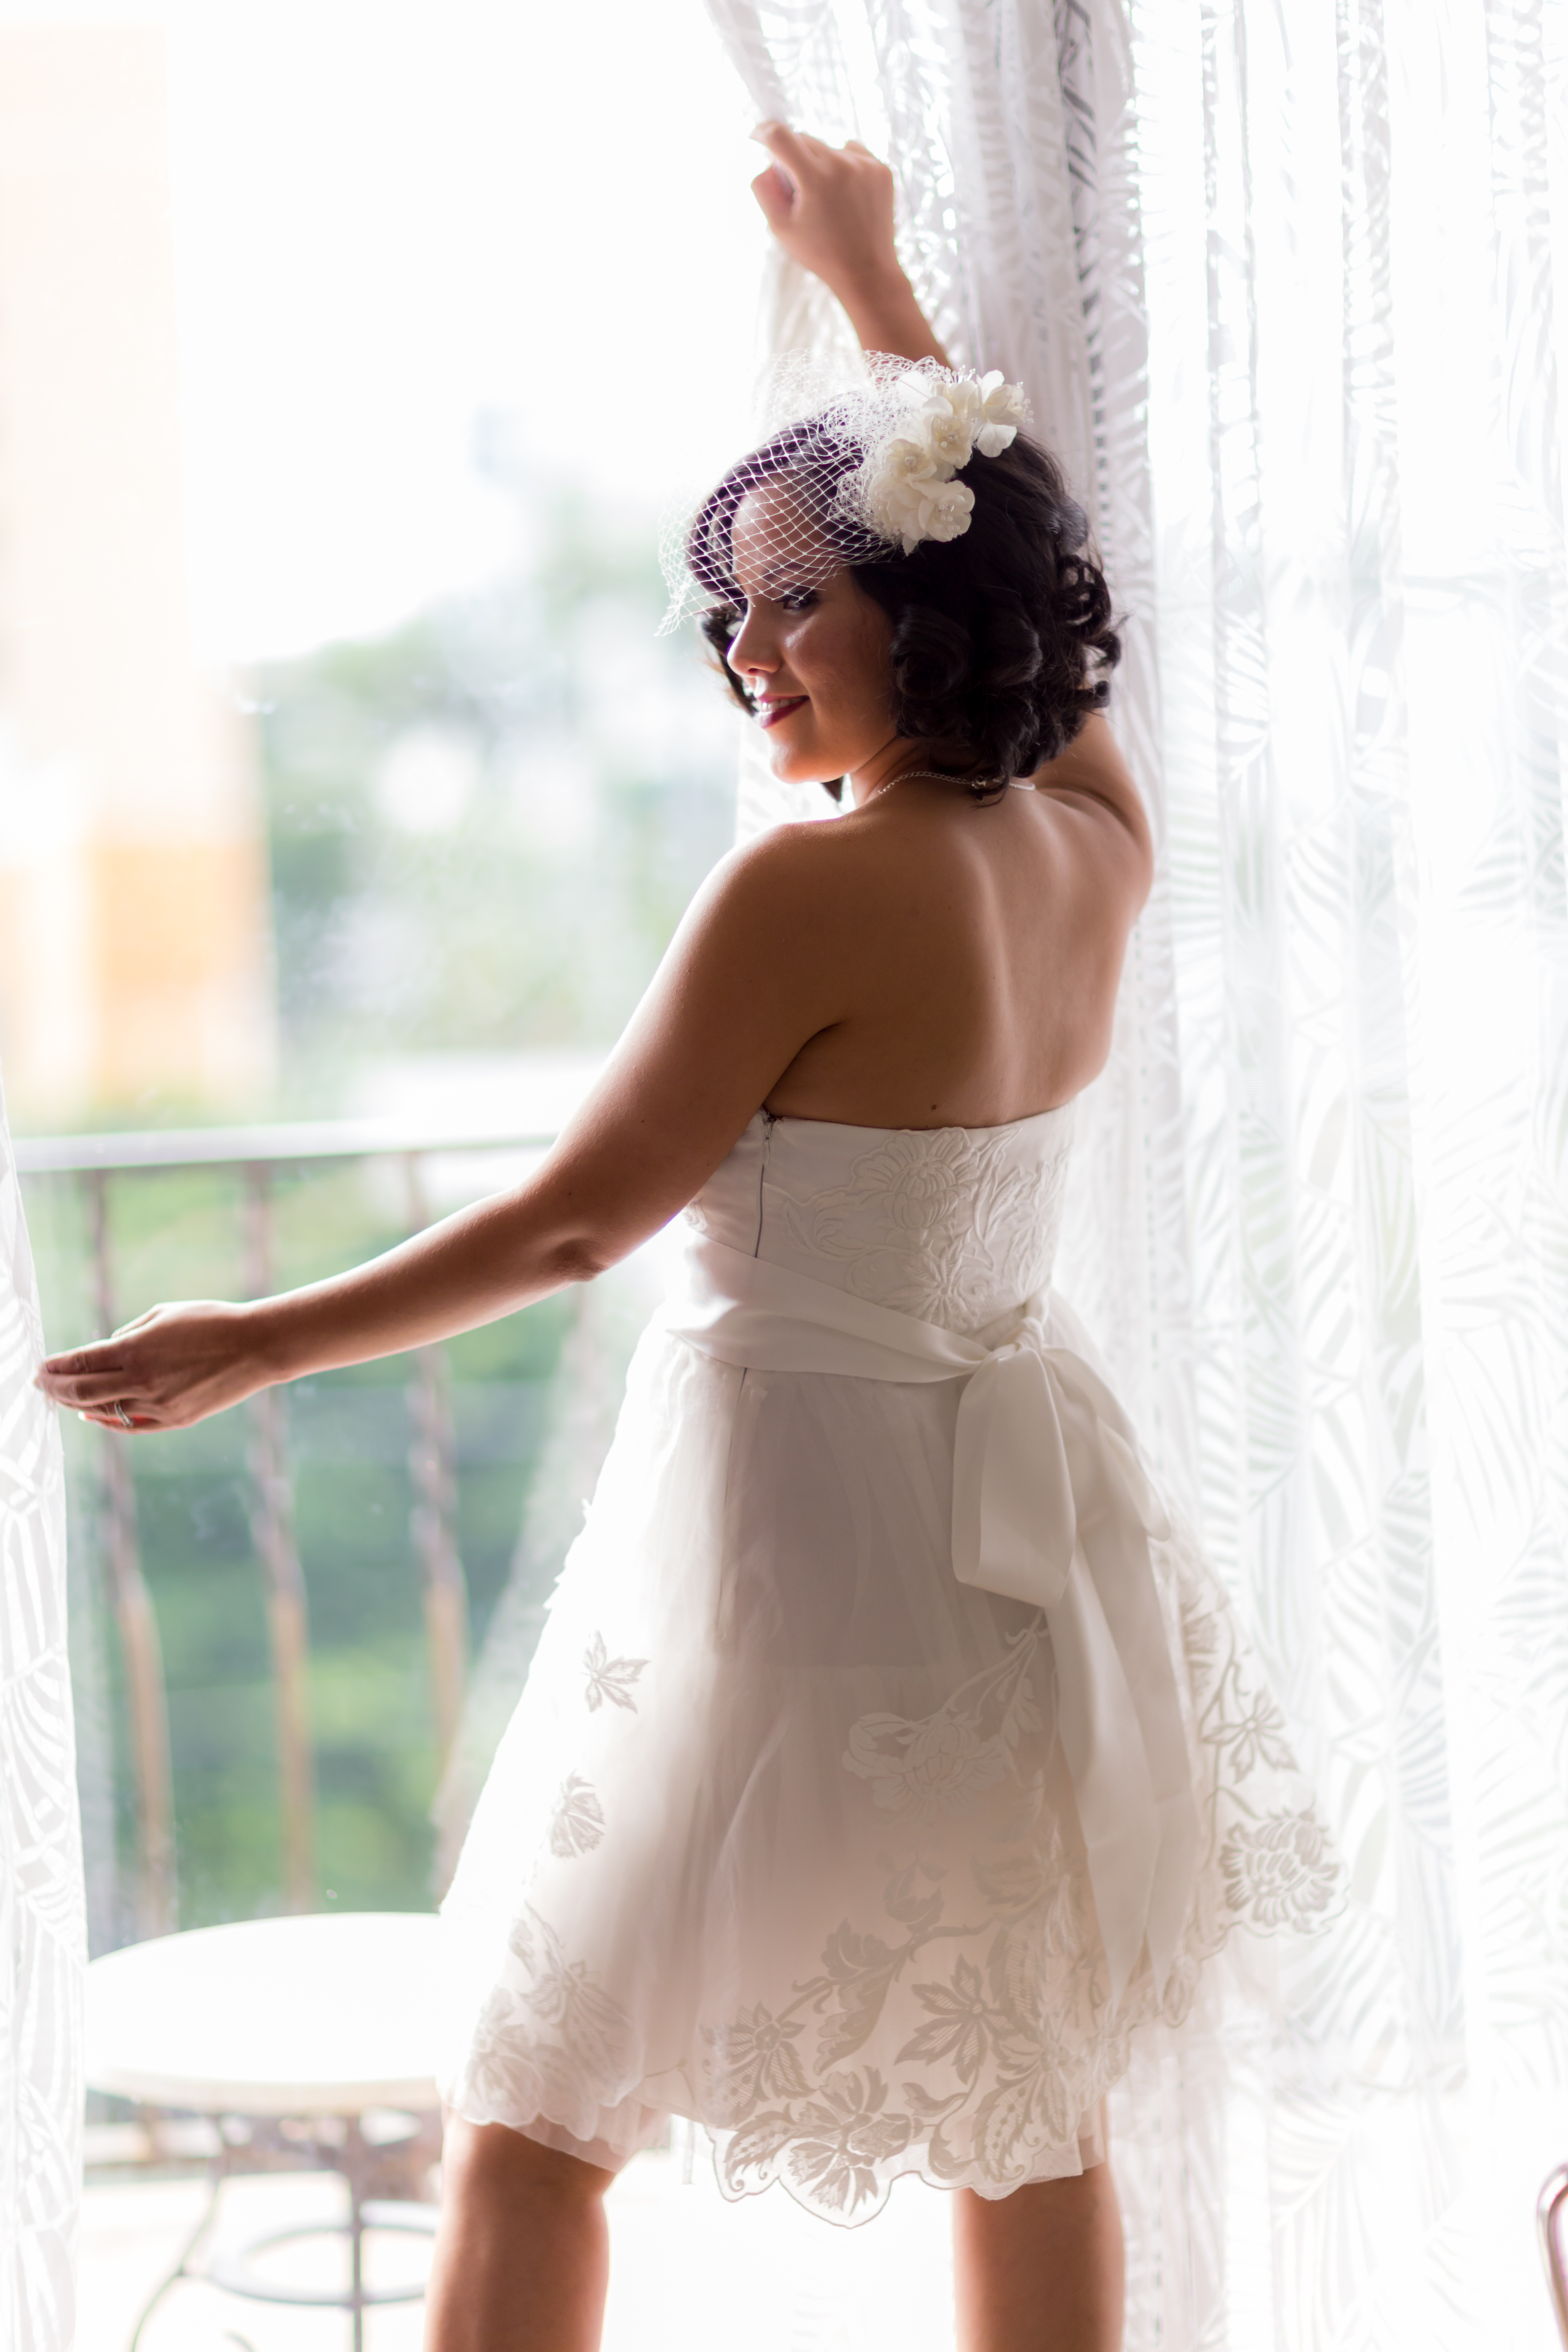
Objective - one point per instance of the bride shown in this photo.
(889, 1758)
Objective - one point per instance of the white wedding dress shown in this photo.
(888, 1758)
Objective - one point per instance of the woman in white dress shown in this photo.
(888, 1760)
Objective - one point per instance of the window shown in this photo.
(348, 363)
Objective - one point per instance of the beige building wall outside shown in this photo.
(134, 951)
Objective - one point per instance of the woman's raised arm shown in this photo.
(831, 208)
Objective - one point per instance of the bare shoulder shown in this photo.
(794, 874)
(1091, 784)
(775, 924)
(785, 854)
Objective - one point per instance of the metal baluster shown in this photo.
(146, 1700)
(272, 1532)
(432, 1462)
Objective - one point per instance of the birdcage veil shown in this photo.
(853, 466)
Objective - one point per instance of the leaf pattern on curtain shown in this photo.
(1280, 280)
(43, 1935)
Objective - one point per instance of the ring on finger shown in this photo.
(122, 1417)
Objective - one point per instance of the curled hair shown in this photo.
(1003, 641)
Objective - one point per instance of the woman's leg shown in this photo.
(522, 2254)
(1043, 2270)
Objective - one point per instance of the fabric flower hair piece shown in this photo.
(850, 472)
(906, 489)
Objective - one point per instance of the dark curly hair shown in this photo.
(1003, 638)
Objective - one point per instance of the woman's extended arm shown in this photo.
(755, 969)
(831, 208)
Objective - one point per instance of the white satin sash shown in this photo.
(1051, 1507)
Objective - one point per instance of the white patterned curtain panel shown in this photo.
(42, 1934)
(1280, 278)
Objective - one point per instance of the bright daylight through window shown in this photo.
(344, 783)
(346, 777)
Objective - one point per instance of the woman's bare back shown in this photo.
(981, 946)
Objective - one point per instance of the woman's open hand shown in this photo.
(171, 1367)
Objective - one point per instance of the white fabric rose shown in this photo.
(919, 507)
(896, 488)
(905, 460)
(893, 507)
(950, 419)
(948, 510)
(951, 439)
(1001, 411)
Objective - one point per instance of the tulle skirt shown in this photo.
(781, 1837)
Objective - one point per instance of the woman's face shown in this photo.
(814, 654)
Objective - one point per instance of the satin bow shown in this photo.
(1050, 1506)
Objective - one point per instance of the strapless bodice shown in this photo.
(954, 1224)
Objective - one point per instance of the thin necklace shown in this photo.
(909, 775)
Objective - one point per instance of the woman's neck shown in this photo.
(894, 761)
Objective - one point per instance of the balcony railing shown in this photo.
(255, 1157)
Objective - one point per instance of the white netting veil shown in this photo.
(847, 471)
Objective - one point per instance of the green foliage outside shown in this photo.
(485, 826)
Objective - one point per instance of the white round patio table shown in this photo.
(319, 2020)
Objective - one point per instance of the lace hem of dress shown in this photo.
(984, 1990)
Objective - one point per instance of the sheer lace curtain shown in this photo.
(1281, 279)
(42, 1932)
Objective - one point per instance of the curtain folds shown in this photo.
(1281, 280)
(43, 1939)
